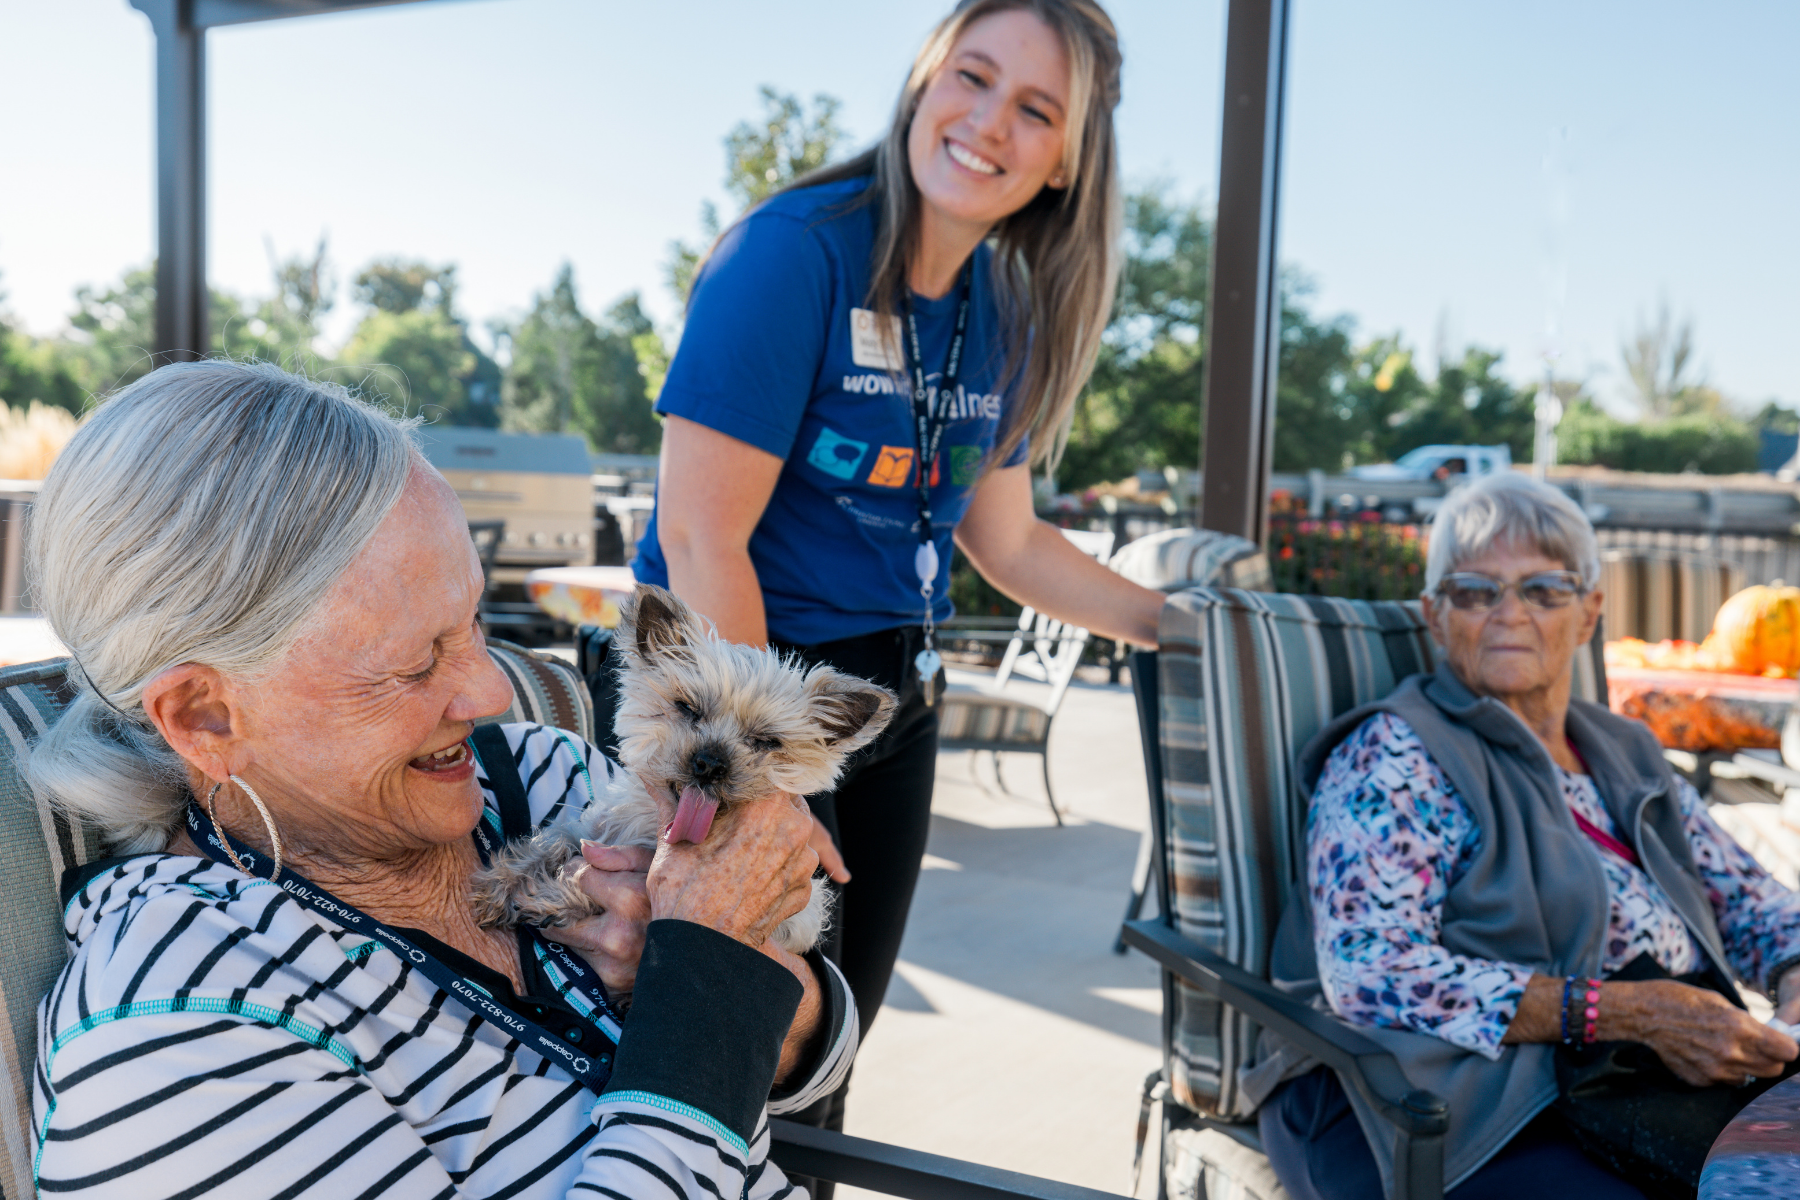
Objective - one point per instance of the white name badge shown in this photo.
(868, 348)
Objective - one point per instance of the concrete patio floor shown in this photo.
(1012, 1035)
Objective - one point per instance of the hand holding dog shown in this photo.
(752, 874)
(615, 878)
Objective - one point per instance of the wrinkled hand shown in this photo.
(1699, 1034)
(827, 850)
(753, 873)
(615, 878)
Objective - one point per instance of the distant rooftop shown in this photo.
(452, 448)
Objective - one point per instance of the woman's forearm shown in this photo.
(1031, 561)
(807, 1018)
(720, 584)
(1539, 1016)
(1049, 573)
(711, 490)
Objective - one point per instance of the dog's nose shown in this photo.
(708, 766)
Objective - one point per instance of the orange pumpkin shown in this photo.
(1757, 632)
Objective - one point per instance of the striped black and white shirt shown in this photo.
(213, 1036)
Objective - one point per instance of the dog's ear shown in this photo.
(654, 621)
(851, 711)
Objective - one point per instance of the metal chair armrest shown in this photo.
(897, 1171)
(1419, 1116)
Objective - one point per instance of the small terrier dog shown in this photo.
(703, 723)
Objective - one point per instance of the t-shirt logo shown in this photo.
(835, 454)
(965, 465)
(892, 467)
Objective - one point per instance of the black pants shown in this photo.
(1318, 1151)
(879, 815)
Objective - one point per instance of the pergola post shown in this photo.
(182, 329)
(1243, 337)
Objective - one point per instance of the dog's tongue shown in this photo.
(693, 816)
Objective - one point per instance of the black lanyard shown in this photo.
(591, 1065)
(929, 419)
(928, 430)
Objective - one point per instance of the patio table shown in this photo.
(1758, 1155)
(1704, 710)
(581, 595)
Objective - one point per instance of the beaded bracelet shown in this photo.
(1591, 1012)
(1580, 1011)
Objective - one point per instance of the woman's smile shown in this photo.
(452, 764)
(966, 158)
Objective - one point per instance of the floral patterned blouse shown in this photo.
(1388, 836)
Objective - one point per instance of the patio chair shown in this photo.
(1241, 682)
(1171, 561)
(1182, 558)
(988, 717)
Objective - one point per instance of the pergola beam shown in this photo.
(1243, 338)
(182, 327)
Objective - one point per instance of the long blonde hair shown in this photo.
(1055, 263)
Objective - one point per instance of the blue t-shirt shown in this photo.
(780, 352)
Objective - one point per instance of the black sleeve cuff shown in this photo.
(831, 1019)
(708, 1016)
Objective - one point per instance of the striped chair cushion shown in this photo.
(547, 690)
(1247, 678)
(38, 842)
(1180, 558)
(969, 717)
(1656, 595)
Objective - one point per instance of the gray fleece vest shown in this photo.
(1535, 894)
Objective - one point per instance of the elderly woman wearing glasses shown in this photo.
(1514, 895)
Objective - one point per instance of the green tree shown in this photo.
(1711, 444)
(572, 374)
(1468, 403)
(287, 322)
(398, 285)
(1327, 399)
(1657, 361)
(1776, 418)
(35, 368)
(413, 347)
(761, 157)
(1141, 408)
(417, 359)
(115, 327)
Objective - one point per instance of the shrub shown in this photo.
(1711, 445)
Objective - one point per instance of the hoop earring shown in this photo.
(268, 825)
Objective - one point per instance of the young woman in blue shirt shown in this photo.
(789, 506)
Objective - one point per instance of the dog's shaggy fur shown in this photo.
(701, 722)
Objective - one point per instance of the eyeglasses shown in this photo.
(1469, 590)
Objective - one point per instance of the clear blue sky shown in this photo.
(1521, 174)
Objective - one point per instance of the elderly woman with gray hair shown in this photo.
(1511, 891)
(271, 601)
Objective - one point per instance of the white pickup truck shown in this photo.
(1441, 463)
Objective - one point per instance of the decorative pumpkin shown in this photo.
(1757, 632)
